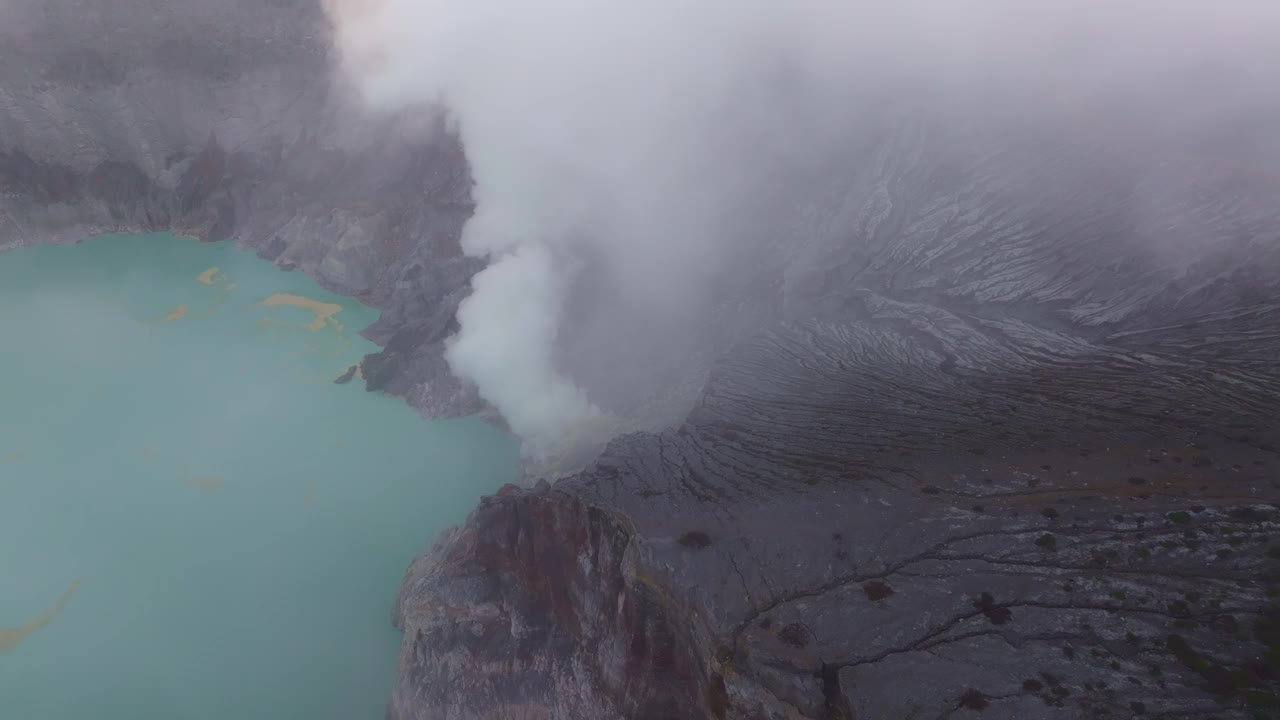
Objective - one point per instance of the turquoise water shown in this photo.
(195, 522)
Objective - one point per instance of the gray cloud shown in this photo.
(653, 140)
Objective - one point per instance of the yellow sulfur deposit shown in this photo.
(207, 485)
(10, 638)
(211, 277)
(324, 312)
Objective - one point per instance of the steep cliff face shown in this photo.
(989, 430)
(550, 600)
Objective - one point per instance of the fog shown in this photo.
(648, 144)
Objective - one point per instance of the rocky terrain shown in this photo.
(988, 433)
(936, 542)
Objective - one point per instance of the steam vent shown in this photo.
(750, 360)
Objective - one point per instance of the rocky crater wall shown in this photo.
(222, 121)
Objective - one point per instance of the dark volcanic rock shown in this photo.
(345, 377)
(550, 575)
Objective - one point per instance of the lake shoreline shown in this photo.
(232, 473)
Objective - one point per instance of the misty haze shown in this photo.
(840, 359)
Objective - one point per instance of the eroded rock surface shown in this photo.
(836, 536)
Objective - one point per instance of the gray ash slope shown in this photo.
(1006, 467)
(1006, 449)
(986, 430)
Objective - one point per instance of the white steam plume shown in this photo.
(640, 133)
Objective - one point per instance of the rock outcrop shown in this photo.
(989, 433)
